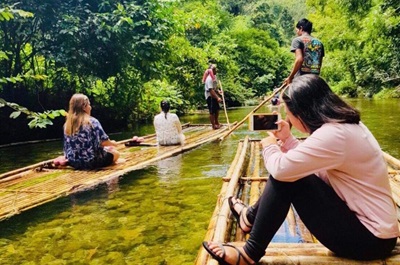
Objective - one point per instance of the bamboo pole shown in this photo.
(255, 179)
(203, 256)
(314, 254)
(291, 221)
(253, 192)
(23, 169)
(30, 142)
(254, 110)
(220, 230)
(239, 235)
(391, 160)
(223, 103)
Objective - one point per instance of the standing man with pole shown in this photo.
(213, 98)
(308, 51)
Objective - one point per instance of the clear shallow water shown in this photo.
(158, 215)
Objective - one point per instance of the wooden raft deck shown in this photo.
(246, 179)
(28, 187)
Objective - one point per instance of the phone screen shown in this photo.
(265, 122)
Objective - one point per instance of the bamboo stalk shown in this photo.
(19, 170)
(255, 179)
(259, 179)
(391, 160)
(291, 221)
(304, 232)
(202, 257)
(395, 191)
(241, 194)
(30, 142)
(25, 191)
(223, 102)
(313, 254)
(220, 230)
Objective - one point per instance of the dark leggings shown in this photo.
(322, 211)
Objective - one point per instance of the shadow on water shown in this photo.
(158, 215)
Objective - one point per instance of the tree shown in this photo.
(12, 46)
(361, 40)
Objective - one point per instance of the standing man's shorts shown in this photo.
(213, 105)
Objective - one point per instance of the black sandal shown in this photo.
(241, 216)
(221, 260)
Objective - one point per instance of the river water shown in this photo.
(156, 216)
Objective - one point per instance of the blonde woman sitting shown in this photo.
(86, 145)
(168, 127)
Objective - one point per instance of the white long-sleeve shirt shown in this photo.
(348, 158)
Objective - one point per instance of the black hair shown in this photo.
(310, 99)
(165, 107)
(305, 25)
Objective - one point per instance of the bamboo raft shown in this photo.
(246, 179)
(37, 184)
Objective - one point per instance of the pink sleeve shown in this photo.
(320, 151)
(290, 143)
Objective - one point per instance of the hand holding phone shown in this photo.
(264, 122)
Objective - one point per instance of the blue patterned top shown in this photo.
(84, 149)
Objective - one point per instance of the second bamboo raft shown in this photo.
(34, 185)
(293, 243)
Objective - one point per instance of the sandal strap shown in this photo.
(239, 254)
(243, 217)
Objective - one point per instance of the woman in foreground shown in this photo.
(336, 179)
(86, 145)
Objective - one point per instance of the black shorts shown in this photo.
(104, 161)
(213, 105)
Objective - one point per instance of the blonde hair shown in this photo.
(76, 116)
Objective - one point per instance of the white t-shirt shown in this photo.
(208, 85)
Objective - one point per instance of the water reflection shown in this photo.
(169, 169)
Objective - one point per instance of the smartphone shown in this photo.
(264, 122)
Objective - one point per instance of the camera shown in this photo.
(264, 122)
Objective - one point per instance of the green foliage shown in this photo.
(38, 120)
(388, 93)
(257, 57)
(8, 13)
(155, 92)
(129, 55)
(362, 43)
(273, 18)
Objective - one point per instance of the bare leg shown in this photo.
(216, 119)
(212, 120)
